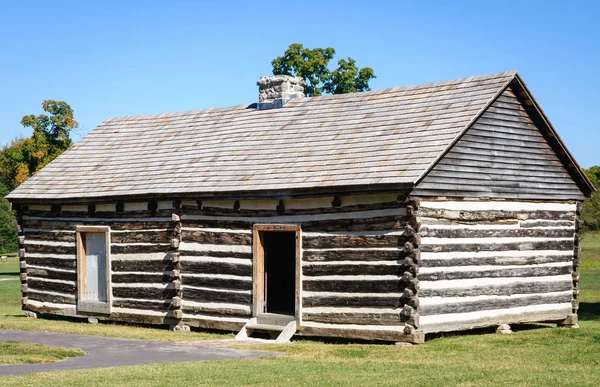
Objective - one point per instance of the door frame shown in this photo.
(258, 267)
(84, 305)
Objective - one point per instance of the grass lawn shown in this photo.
(530, 356)
(14, 352)
(10, 268)
(11, 317)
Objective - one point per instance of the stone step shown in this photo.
(284, 332)
(274, 319)
(265, 327)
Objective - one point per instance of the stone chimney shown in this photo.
(276, 90)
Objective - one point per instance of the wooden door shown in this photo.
(95, 261)
(94, 294)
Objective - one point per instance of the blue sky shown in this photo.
(120, 58)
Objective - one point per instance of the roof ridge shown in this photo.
(320, 97)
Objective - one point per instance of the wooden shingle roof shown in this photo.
(383, 137)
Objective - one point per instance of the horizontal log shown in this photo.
(353, 255)
(337, 241)
(141, 265)
(348, 269)
(238, 224)
(474, 261)
(366, 302)
(222, 325)
(340, 331)
(353, 286)
(160, 305)
(354, 318)
(510, 316)
(230, 212)
(483, 233)
(140, 249)
(50, 249)
(162, 236)
(59, 263)
(494, 215)
(219, 211)
(62, 236)
(51, 274)
(497, 290)
(61, 287)
(516, 246)
(66, 225)
(184, 251)
(139, 318)
(145, 292)
(101, 214)
(217, 310)
(426, 222)
(216, 267)
(216, 238)
(164, 277)
(358, 224)
(492, 303)
(218, 282)
(214, 295)
(48, 297)
(45, 309)
(545, 223)
(516, 272)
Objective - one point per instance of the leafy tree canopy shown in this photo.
(312, 65)
(51, 136)
(591, 208)
(25, 156)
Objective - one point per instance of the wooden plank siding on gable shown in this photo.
(502, 155)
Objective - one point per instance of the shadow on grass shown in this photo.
(589, 311)
(9, 274)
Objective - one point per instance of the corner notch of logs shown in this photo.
(409, 300)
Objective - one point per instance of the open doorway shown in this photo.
(280, 272)
(276, 269)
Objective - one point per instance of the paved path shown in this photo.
(110, 352)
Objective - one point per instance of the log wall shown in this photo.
(372, 266)
(144, 273)
(352, 259)
(191, 261)
(489, 262)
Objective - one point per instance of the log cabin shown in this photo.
(382, 215)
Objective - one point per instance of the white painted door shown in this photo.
(95, 258)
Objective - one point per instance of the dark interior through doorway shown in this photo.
(280, 271)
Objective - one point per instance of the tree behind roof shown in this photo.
(312, 65)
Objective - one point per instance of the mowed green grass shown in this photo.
(536, 354)
(14, 352)
(11, 317)
(10, 268)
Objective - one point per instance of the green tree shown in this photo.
(312, 65)
(8, 224)
(591, 208)
(25, 156)
(51, 137)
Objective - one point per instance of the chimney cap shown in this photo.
(269, 80)
(275, 91)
